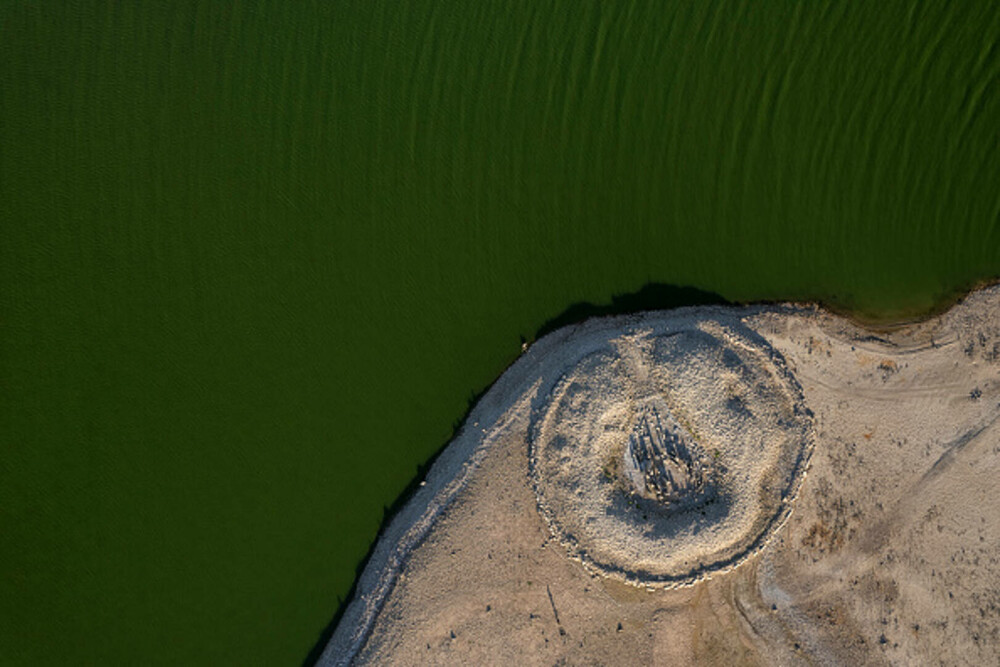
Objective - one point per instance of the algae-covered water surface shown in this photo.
(257, 256)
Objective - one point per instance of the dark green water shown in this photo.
(256, 256)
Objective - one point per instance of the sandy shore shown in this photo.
(829, 499)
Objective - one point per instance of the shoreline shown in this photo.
(904, 318)
(445, 475)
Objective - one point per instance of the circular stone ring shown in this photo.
(666, 457)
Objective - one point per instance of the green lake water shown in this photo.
(257, 256)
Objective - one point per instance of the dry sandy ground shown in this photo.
(890, 553)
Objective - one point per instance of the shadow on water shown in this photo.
(652, 296)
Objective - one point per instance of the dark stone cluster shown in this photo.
(662, 464)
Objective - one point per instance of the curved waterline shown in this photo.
(650, 297)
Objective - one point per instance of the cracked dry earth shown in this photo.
(888, 553)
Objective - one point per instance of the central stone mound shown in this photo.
(663, 463)
(662, 456)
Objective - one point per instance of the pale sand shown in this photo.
(885, 549)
